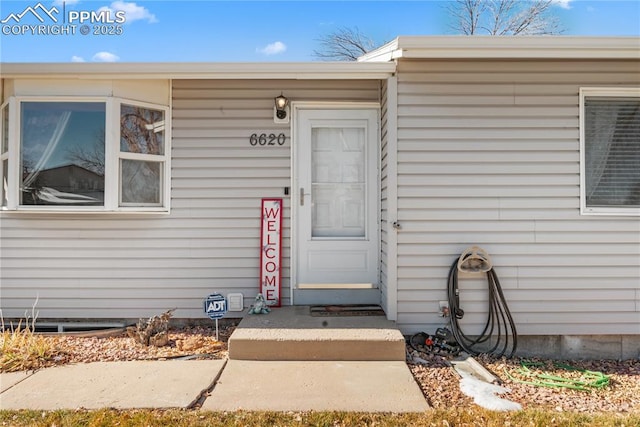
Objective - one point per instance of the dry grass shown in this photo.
(21, 349)
(180, 418)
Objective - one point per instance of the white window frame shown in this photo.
(163, 159)
(591, 93)
(112, 157)
(4, 156)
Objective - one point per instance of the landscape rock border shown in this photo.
(437, 380)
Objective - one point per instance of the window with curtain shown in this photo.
(611, 152)
(72, 154)
(62, 153)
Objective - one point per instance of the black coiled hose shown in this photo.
(500, 324)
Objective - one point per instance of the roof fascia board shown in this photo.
(520, 47)
(267, 71)
(506, 47)
(384, 53)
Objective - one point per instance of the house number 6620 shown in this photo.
(267, 139)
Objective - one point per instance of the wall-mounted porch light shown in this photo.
(281, 109)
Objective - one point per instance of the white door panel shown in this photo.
(336, 161)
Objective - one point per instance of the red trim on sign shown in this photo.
(271, 250)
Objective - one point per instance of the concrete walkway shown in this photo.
(320, 386)
(142, 384)
(221, 384)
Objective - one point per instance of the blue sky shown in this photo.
(229, 31)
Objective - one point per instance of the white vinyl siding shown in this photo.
(133, 266)
(489, 155)
(388, 197)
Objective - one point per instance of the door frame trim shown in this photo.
(296, 106)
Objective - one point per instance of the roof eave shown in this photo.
(385, 53)
(190, 70)
(506, 47)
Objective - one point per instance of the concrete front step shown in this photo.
(292, 334)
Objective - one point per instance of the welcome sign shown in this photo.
(271, 251)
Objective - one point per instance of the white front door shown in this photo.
(336, 206)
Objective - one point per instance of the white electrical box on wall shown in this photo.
(235, 302)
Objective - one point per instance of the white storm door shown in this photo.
(337, 202)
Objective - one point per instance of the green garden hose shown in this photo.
(588, 381)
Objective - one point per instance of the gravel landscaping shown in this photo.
(439, 383)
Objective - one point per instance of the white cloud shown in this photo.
(563, 3)
(75, 58)
(105, 57)
(273, 48)
(591, 9)
(132, 11)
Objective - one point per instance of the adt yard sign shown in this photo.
(215, 306)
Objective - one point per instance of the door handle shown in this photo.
(301, 196)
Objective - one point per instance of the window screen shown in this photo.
(612, 151)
